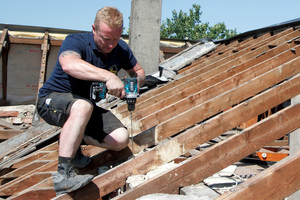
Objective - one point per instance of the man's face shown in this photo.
(106, 38)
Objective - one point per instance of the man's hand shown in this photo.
(115, 87)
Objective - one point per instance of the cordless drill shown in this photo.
(131, 92)
(98, 92)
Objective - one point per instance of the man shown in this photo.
(64, 98)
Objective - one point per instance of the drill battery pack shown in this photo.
(97, 91)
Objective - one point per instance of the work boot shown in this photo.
(66, 180)
(80, 160)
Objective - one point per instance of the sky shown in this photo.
(242, 15)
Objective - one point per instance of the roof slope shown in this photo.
(217, 92)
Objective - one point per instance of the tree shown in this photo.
(189, 26)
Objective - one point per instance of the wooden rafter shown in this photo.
(221, 155)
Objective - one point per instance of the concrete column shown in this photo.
(144, 35)
(294, 143)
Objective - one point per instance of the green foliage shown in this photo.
(189, 26)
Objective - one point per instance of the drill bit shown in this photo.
(131, 134)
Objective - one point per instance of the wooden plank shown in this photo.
(44, 193)
(8, 125)
(188, 140)
(4, 46)
(16, 40)
(213, 61)
(278, 143)
(274, 40)
(174, 50)
(9, 188)
(7, 134)
(42, 77)
(9, 113)
(3, 40)
(31, 158)
(277, 182)
(227, 99)
(219, 156)
(24, 169)
(22, 140)
(294, 144)
(28, 182)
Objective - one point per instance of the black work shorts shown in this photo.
(55, 110)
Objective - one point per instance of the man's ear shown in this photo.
(94, 28)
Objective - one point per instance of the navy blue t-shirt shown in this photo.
(83, 43)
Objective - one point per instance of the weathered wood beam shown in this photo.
(9, 133)
(42, 77)
(197, 75)
(4, 47)
(172, 49)
(190, 139)
(11, 147)
(43, 193)
(279, 143)
(216, 158)
(45, 49)
(266, 42)
(8, 125)
(23, 170)
(31, 158)
(4, 40)
(225, 50)
(277, 182)
(29, 181)
(227, 99)
(15, 40)
(9, 188)
(250, 66)
(202, 97)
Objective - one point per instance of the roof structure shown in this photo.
(244, 84)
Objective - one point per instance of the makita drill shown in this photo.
(131, 92)
(98, 92)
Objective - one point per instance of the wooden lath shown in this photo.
(260, 76)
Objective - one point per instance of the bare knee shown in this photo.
(118, 139)
(82, 108)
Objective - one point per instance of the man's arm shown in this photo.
(139, 73)
(73, 65)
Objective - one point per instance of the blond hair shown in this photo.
(109, 15)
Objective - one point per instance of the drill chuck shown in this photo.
(131, 103)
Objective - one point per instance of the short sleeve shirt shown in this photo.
(121, 57)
